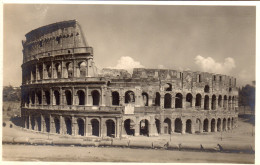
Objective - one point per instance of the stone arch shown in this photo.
(224, 124)
(32, 122)
(145, 98)
(57, 71)
(225, 102)
(68, 124)
(178, 125)
(82, 69)
(95, 127)
(167, 126)
(178, 100)
(206, 125)
(167, 100)
(95, 97)
(33, 97)
(129, 126)
(40, 70)
(157, 99)
(189, 100)
(144, 127)
(110, 124)
(56, 97)
(188, 126)
(198, 126)
(47, 124)
(39, 97)
(47, 97)
(48, 70)
(206, 102)
(158, 125)
(57, 125)
(81, 126)
(68, 97)
(129, 97)
(219, 125)
(81, 97)
(219, 100)
(115, 98)
(228, 124)
(213, 102)
(213, 124)
(198, 100)
(206, 89)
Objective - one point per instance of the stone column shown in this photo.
(162, 101)
(210, 103)
(61, 96)
(86, 95)
(51, 96)
(52, 70)
(52, 124)
(202, 102)
(61, 124)
(30, 124)
(86, 127)
(173, 124)
(137, 127)
(118, 127)
(183, 131)
(43, 126)
(102, 96)
(193, 125)
(101, 127)
(173, 101)
(161, 125)
(193, 102)
(209, 125)
(61, 66)
(152, 127)
(183, 102)
(73, 124)
(37, 72)
(216, 125)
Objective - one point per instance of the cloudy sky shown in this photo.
(217, 39)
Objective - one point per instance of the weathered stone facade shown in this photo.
(63, 93)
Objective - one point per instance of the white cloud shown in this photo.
(210, 65)
(127, 63)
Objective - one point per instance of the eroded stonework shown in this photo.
(63, 93)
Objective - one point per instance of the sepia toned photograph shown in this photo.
(129, 83)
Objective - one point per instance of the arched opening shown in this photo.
(129, 127)
(232, 123)
(219, 125)
(57, 73)
(178, 125)
(69, 70)
(213, 124)
(57, 125)
(188, 126)
(178, 100)
(198, 100)
(68, 97)
(39, 123)
(213, 102)
(83, 69)
(115, 98)
(145, 98)
(57, 97)
(47, 124)
(40, 69)
(48, 70)
(206, 125)
(33, 73)
(206, 102)
(80, 127)
(225, 102)
(167, 100)
(33, 97)
(224, 124)
(158, 126)
(189, 100)
(95, 127)
(157, 99)
(219, 100)
(168, 87)
(144, 130)
(110, 128)
(229, 103)
(198, 126)
(206, 89)
(228, 124)
(233, 103)
(129, 97)
(167, 126)
(39, 97)
(95, 97)
(68, 124)
(47, 97)
(33, 122)
(81, 97)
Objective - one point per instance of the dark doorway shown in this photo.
(81, 97)
(144, 130)
(206, 125)
(80, 127)
(213, 124)
(178, 125)
(115, 98)
(129, 127)
(110, 128)
(158, 126)
(95, 97)
(57, 125)
(188, 126)
(95, 127)
(167, 100)
(68, 126)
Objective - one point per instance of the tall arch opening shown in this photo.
(219, 125)
(158, 126)
(33, 122)
(129, 97)
(206, 102)
(110, 124)
(68, 124)
(81, 124)
(39, 97)
(47, 97)
(224, 124)
(68, 97)
(167, 126)
(188, 126)
(129, 127)
(225, 102)
(228, 124)
(40, 69)
(229, 103)
(206, 89)
(206, 125)
(198, 100)
(213, 102)
(189, 100)
(144, 127)
(145, 98)
(57, 73)
(115, 98)
(219, 100)
(81, 97)
(47, 124)
(95, 127)
(95, 97)
(167, 100)
(39, 123)
(33, 97)
(157, 99)
(213, 123)
(178, 100)
(178, 125)
(57, 97)
(69, 70)
(198, 126)
(83, 69)
(57, 125)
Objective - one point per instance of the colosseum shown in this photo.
(63, 92)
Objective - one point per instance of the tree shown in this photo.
(247, 96)
(11, 94)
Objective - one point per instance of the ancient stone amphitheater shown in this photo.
(62, 92)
